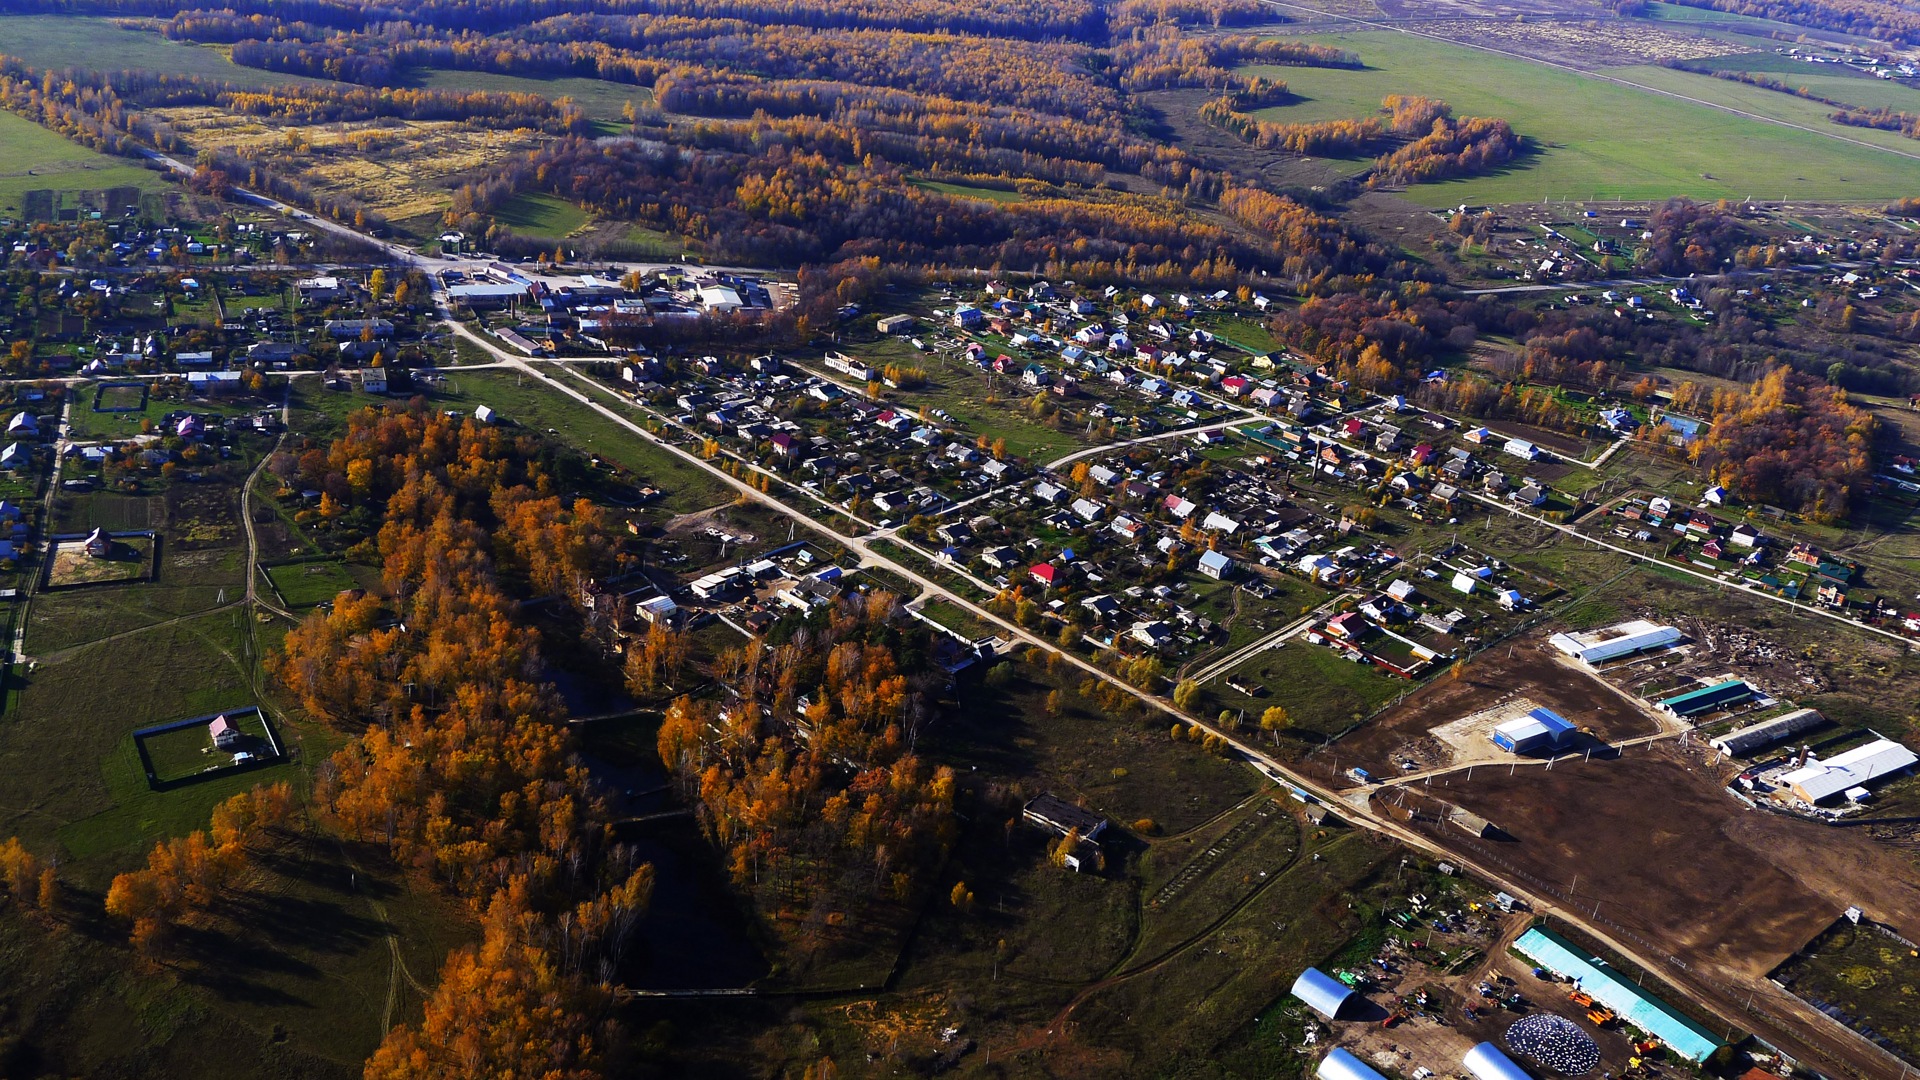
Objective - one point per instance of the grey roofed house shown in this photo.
(1050, 811)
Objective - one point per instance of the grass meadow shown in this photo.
(1592, 139)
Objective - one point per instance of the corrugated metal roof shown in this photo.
(1488, 1063)
(1321, 991)
(1707, 696)
(1857, 767)
(1340, 1065)
(1612, 989)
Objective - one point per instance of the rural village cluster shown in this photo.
(1104, 472)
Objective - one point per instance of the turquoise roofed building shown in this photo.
(1616, 991)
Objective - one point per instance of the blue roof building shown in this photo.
(1322, 991)
(1614, 990)
(1541, 729)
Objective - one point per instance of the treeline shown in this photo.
(1050, 20)
(1792, 441)
(1865, 18)
(460, 760)
(1405, 116)
(1690, 237)
(1882, 119)
(1465, 147)
(805, 777)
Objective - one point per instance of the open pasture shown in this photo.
(1594, 139)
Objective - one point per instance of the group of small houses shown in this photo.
(1741, 548)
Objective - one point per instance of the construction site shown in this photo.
(1450, 722)
(1458, 985)
(1649, 849)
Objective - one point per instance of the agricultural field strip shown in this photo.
(1281, 4)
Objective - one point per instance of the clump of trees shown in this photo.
(1790, 440)
(186, 876)
(805, 775)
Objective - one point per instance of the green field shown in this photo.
(59, 41)
(1593, 139)
(302, 585)
(529, 403)
(600, 99)
(533, 214)
(968, 191)
(35, 159)
(188, 751)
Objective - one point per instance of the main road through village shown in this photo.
(1780, 1018)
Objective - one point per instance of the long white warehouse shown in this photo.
(1767, 732)
(1625, 639)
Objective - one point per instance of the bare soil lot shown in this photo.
(1526, 670)
(1651, 847)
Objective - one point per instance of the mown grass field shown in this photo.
(35, 159)
(1597, 140)
(968, 191)
(600, 99)
(63, 41)
(530, 403)
(534, 214)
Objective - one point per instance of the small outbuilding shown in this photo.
(1322, 992)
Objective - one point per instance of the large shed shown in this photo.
(1324, 993)
(1614, 642)
(1341, 1065)
(1486, 1062)
(1707, 699)
(1767, 732)
(1858, 768)
(1540, 729)
(1619, 993)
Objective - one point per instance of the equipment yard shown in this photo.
(1449, 722)
(1650, 848)
(1443, 981)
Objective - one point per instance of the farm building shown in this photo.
(1486, 1062)
(1707, 699)
(1541, 729)
(894, 324)
(485, 295)
(1851, 772)
(1471, 823)
(1617, 992)
(1340, 1065)
(1758, 736)
(1322, 992)
(1050, 811)
(1614, 642)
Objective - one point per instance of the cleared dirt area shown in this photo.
(1501, 677)
(1652, 848)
